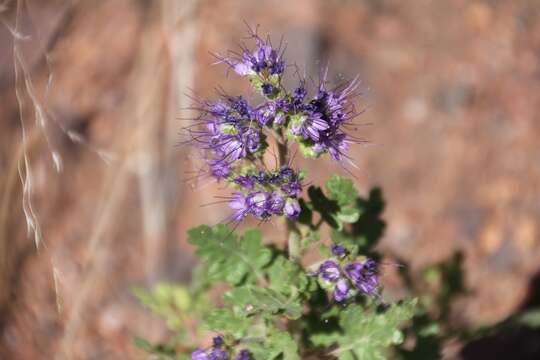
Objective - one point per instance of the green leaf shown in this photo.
(310, 237)
(368, 334)
(341, 189)
(275, 344)
(169, 301)
(324, 339)
(227, 257)
(248, 300)
(348, 215)
(287, 277)
(226, 321)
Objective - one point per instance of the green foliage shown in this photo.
(248, 300)
(367, 333)
(227, 321)
(341, 190)
(227, 257)
(276, 344)
(271, 305)
(170, 301)
(367, 229)
(287, 277)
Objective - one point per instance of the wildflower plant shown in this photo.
(277, 305)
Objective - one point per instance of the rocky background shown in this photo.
(94, 95)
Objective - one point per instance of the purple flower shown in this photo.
(219, 169)
(246, 181)
(214, 353)
(368, 285)
(262, 58)
(292, 209)
(259, 204)
(341, 290)
(267, 89)
(217, 341)
(243, 355)
(364, 276)
(329, 271)
(338, 250)
(199, 354)
(299, 94)
(240, 204)
(287, 174)
(218, 354)
(353, 270)
(276, 204)
(292, 189)
(322, 121)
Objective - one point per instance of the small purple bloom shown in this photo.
(276, 204)
(292, 209)
(217, 341)
(246, 181)
(267, 89)
(243, 355)
(329, 271)
(292, 189)
(353, 271)
(369, 284)
(258, 204)
(218, 354)
(341, 290)
(286, 174)
(299, 94)
(264, 57)
(240, 204)
(338, 250)
(200, 355)
(364, 276)
(219, 169)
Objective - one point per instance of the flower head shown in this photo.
(359, 276)
(232, 134)
(243, 355)
(263, 58)
(199, 354)
(364, 275)
(292, 209)
(214, 353)
(341, 290)
(338, 250)
(330, 271)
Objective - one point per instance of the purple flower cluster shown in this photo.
(319, 124)
(217, 352)
(233, 134)
(359, 275)
(228, 134)
(266, 194)
(263, 60)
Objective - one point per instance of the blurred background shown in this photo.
(95, 195)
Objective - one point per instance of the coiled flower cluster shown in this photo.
(234, 136)
(347, 277)
(218, 351)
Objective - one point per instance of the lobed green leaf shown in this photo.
(228, 258)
